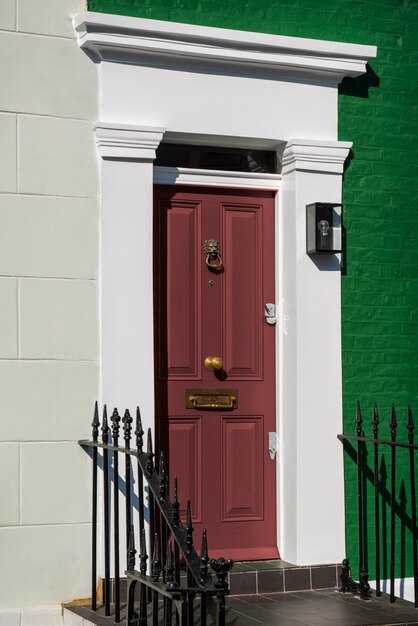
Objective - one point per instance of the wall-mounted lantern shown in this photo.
(323, 228)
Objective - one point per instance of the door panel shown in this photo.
(220, 457)
(185, 444)
(180, 355)
(242, 321)
(242, 438)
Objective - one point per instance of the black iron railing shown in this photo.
(381, 493)
(176, 580)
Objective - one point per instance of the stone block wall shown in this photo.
(49, 345)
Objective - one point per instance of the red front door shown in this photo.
(220, 455)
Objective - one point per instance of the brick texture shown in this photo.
(378, 112)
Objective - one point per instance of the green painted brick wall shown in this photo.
(379, 113)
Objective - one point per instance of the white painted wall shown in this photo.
(49, 347)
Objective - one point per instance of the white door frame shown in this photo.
(198, 85)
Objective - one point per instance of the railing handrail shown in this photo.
(166, 507)
(385, 442)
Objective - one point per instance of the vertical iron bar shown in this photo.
(375, 426)
(359, 422)
(190, 598)
(411, 427)
(177, 573)
(221, 611)
(127, 428)
(183, 617)
(393, 424)
(189, 547)
(130, 566)
(204, 560)
(143, 589)
(105, 439)
(176, 521)
(115, 434)
(203, 609)
(95, 434)
(221, 567)
(150, 469)
(156, 571)
(169, 579)
(163, 487)
(139, 433)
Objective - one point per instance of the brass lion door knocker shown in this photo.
(213, 255)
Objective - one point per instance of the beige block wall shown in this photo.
(49, 346)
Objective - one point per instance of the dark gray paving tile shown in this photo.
(243, 583)
(324, 577)
(270, 581)
(297, 579)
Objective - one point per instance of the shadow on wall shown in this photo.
(356, 87)
(360, 85)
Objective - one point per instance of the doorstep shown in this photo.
(278, 576)
(275, 576)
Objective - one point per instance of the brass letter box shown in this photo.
(212, 399)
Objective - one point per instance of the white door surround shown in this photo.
(210, 86)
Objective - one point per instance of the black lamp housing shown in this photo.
(323, 228)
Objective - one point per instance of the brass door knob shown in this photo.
(213, 363)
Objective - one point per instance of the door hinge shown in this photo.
(272, 445)
(270, 313)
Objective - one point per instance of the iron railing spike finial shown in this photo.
(115, 419)
(204, 558)
(176, 503)
(143, 556)
(95, 423)
(393, 424)
(189, 528)
(105, 426)
(156, 562)
(150, 454)
(127, 428)
(139, 431)
(410, 425)
(359, 419)
(163, 476)
(375, 420)
(131, 549)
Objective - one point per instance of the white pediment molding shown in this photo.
(315, 156)
(114, 37)
(125, 141)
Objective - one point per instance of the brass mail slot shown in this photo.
(211, 398)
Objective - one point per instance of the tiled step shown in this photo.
(276, 576)
(259, 577)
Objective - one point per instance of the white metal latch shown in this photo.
(270, 313)
(272, 445)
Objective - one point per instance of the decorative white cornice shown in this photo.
(123, 141)
(215, 178)
(315, 156)
(115, 37)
